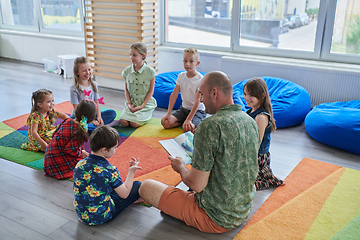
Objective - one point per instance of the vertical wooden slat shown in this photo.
(112, 36)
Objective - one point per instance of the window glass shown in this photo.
(346, 32)
(61, 14)
(201, 22)
(283, 24)
(18, 12)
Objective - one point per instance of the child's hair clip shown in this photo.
(83, 123)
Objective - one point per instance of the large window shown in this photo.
(346, 33)
(18, 13)
(199, 22)
(310, 29)
(49, 16)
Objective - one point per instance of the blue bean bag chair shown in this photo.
(164, 86)
(336, 124)
(238, 101)
(290, 102)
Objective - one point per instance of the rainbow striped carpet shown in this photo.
(319, 201)
(141, 143)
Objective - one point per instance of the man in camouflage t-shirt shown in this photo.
(223, 169)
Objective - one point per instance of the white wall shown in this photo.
(320, 79)
(171, 59)
(179, 8)
(34, 47)
(298, 4)
(313, 4)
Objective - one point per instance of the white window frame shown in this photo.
(39, 28)
(322, 46)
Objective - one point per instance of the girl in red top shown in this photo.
(65, 149)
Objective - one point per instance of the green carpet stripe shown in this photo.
(155, 121)
(14, 139)
(19, 155)
(5, 129)
(118, 113)
(334, 215)
(3, 126)
(350, 231)
(125, 131)
(38, 164)
(152, 121)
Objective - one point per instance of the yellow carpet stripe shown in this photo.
(294, 219)
(350, 231)
(334, 216)
(5, 129)
(149, 130)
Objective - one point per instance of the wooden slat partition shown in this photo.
(111, 26)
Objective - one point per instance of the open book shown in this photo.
(181, 146)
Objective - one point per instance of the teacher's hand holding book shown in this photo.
(177, 163)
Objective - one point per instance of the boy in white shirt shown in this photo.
(192, 111)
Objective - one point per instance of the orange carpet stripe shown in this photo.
(20, 121)
(17, 122)
(150, 158)
(291, 221)
(153, 141)
(172, 177)
(305, 175)
(64, 107)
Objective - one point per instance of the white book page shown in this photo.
(185, 141)
(175, 150)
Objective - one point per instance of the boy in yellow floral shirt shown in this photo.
(100, 194)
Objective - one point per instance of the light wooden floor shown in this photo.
(36, 207)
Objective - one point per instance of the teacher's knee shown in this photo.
(146, 186)
(151, 191)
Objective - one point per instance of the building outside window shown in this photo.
(309, 29)
(50, 16)
(325, 30)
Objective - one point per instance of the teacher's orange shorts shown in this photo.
(182, 205)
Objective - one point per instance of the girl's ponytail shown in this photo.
(85, 112)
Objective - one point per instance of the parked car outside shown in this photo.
(296, 20)
(285, 25)
(304, 18)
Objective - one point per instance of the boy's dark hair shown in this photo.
(103, 137)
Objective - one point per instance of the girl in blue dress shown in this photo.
(257, 98)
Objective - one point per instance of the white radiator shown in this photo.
(324, 84)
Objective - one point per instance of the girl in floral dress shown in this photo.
(41, 120)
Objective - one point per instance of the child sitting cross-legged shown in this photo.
(192, 111)
(100, 194)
